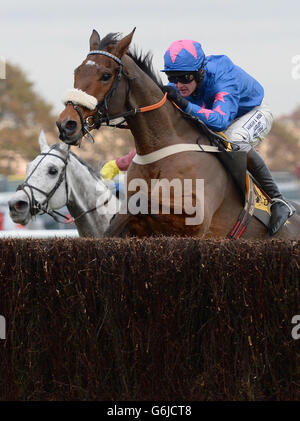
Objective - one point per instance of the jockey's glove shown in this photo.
(175, 96)
(109, 170)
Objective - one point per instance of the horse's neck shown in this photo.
(162, 127)
(86, 193)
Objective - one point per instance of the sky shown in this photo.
(49, 39)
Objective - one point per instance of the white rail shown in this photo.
(38, 233)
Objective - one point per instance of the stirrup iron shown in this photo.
(290, 207)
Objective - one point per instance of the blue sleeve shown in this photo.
(225, 98)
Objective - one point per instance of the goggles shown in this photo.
(182, 78)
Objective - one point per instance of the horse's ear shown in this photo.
(43, 141)
(94, 41)
(64, 147)
(123, 45)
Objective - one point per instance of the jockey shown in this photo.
(228, 100)
(113, 167)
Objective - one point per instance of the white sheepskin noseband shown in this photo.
(81, 98)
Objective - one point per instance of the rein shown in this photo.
(73, 220)
(98, 119)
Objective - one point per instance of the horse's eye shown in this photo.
(52, 171)
(105, 77)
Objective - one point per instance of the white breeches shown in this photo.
(250, 129)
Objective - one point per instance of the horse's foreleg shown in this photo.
(119, 226)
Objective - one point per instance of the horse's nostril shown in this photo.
(21, 205)
(66, 128)
(70, 125)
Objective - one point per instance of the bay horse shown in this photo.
(113, 82)
(57, 178)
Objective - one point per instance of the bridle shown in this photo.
(37, 208)
(101, 114)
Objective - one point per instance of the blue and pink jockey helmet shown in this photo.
(183, 56)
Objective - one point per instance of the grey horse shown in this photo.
(57, 178)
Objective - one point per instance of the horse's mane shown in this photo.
(110, 39)
(143, 60)
(91, 170)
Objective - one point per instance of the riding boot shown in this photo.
(281, 210)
